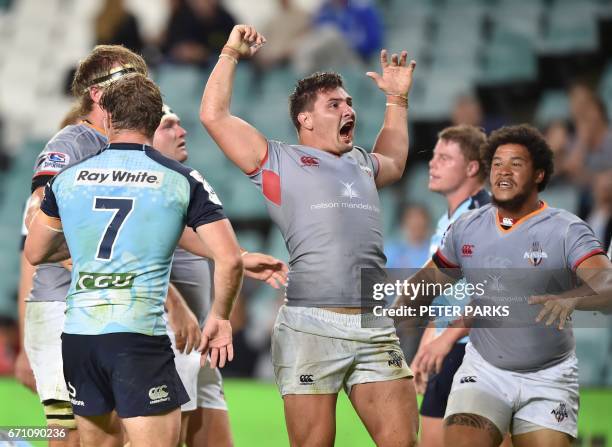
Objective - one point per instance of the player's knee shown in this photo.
(390, 437)
(59, 413)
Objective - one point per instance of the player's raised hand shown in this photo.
(396, 77)
(245, 40)
(554, 308)
(216, 340)
(265, 268)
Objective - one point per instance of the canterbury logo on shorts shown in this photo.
(158, 394)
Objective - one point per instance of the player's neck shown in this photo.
(95, 119)
(461, 194)
(530, 205)
(128, 136)
(311, 141)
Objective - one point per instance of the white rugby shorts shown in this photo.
(204, 385)
(519, 402)
(316, 351)
(44, 323)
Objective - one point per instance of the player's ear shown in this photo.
(95, 94)
(472, 168)
(539, 176)
(305, 120)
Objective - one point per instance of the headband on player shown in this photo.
(168, 112)
(105, 79)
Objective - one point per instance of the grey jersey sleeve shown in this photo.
(64, 149)
(580, 244)
(267, 177)
(446, 257)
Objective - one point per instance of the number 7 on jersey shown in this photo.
(121, 208)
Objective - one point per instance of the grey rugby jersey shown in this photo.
(327, 209)
(68, 146)
(193, 277)
(537, 255)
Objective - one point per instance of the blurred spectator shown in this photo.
(600, 218)
(197, 31)
(591, 150)
(557, 136)
(346, 33)
(115, 25)
(413, 249)
(283, 33)
(357, 20)
(467, 110)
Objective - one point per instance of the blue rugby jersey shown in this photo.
(123, 211)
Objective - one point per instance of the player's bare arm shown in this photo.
(595, 294)
(32, 209)
(45, 241)
(258, 266)
(391, 147)
(265, 268)
(244, 145)
(183, 321)
(23, 370)
(428, 274)
(217, 333)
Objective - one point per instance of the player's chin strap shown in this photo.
(105, 79)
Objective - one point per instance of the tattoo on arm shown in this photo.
(475, 421)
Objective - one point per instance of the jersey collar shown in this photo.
(128, 146)
(542, 207)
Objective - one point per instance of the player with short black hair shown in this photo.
(528, 137)
(519, 374)
(322, 193)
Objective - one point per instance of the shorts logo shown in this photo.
(309, 161)
(158, 394)
(536, 255)
(395, 359)
(306, 379)
(72, 394)
(93, 281)
(467, 250)
(560, 412)
(468, 379)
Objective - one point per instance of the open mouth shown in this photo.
(346, 130)
(505, 184)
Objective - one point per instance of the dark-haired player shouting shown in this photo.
(323, 196)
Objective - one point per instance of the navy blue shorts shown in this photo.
(131, 373)
(439, 385)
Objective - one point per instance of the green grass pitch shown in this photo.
(256, 414)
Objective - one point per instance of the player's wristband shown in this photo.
(405, 106)
(231, 58)
(231, 51)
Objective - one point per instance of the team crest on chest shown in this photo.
(536, 255)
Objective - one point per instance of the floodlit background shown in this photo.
(482, 62)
